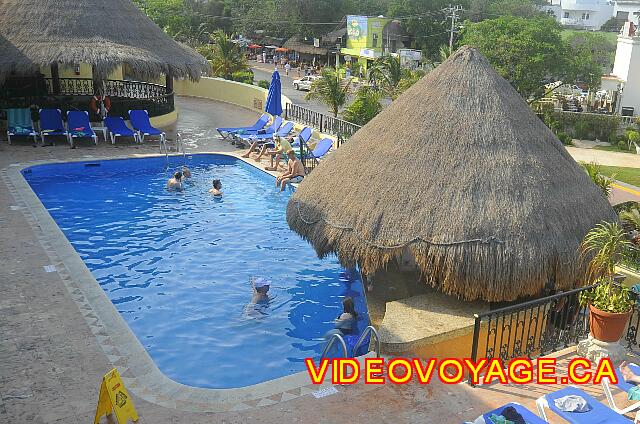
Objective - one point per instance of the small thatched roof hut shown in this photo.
(460, 175)
(296, 45)
(103, 33)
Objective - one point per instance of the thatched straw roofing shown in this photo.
(296, 45)
(104, 33)
(461, 173)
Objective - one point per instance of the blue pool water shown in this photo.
(177, 266)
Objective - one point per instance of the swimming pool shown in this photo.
(177, 266)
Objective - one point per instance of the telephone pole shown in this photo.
(452, 13)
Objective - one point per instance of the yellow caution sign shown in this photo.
(114, 398)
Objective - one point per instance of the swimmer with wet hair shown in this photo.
(175, 183)
(217, 186)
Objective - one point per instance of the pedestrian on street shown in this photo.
(287, 68)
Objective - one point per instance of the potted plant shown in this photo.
(610, 305)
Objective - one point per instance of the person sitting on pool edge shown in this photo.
(217, 185)
(260, 290)
(282, 146)
(175, 183)
(294, 173)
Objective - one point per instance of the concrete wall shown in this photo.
(627, 68)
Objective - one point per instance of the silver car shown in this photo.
(304, 83)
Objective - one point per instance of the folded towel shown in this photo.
(572, 403)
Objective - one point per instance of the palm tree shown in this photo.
(386, 73)
(607, 244)
(603, 182)
(632, 216)
(224, 55)
(331, 90)
(364, 108)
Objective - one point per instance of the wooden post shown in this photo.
(168, 83)
(55, 79)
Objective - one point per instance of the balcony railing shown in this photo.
(540, 327)
(323, 123)
(631, 259)
(75, 94)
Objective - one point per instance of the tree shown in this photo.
(364, 108)
(607, 244)
(530, 53)
(330, 89)
(387, 75)
(225, 57)
(524, 51)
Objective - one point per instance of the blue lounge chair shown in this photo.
(260, 124)
(322, 148)
(141, 123)
(275, 126)
(118, 128)
(529, 417)
(19, 124)
(79, 126)
(284, 131)
(51, 124)
(599, 413)
(624, 386)
(303, 137)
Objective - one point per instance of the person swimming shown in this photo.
(186, 172)
(260, 290)
(217, 186)
(345, 323)
(175, 183)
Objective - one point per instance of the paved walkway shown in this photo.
(51, 360)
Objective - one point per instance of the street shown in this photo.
(263, 71)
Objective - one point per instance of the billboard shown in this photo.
(357, 27)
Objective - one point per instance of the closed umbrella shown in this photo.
(274, 98)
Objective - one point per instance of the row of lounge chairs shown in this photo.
(265, 129)
(598, 412)
(78, 126)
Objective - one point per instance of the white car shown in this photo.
(304, 83)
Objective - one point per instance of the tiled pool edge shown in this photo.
(112, 333)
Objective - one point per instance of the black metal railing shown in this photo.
(323, 123)
(306, 156)
(75, 94)
(531, 329)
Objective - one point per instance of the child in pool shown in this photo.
(217, 186)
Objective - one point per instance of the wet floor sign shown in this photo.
(115, 399)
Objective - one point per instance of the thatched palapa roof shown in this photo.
(103, 33)
(296, 45)
(459, 172)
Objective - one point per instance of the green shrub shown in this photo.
(582, 130)
(245, 77)
(622, 145)
(264, 84)
(613, 137)
(564, 138)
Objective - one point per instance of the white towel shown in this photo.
(572, 403)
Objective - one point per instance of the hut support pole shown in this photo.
(55, 79)
(168, 83)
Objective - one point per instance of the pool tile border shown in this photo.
(122, 348)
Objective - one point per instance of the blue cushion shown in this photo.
(529, 417)
(599, 414)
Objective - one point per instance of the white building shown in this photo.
(585, 14)
(627, 10)
(625, 79)
(592, 14)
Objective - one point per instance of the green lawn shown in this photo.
(627, 175)
(610, 36)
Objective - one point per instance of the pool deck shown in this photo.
(54, 351)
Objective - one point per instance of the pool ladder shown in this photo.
(164, 148)
(337, 338)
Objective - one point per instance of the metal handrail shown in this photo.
(180, 145)
(330, 343)
(374, 332)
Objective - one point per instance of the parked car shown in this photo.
(304, 83)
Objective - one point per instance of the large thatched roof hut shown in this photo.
(103, 33)
(461, 176)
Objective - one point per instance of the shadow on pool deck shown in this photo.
(51, 363)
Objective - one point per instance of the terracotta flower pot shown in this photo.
(607, 326)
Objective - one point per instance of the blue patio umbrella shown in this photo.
(274, 98)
